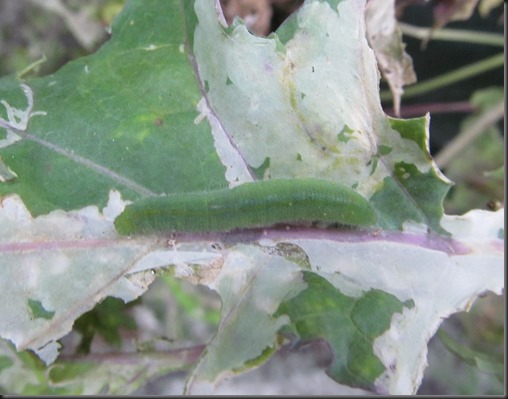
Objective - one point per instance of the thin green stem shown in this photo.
(455, 35)
(449, 78)
(31, 67)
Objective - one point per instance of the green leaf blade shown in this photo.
(348, 324)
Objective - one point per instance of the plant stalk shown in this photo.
(455, 35)
(466, 137)
(449, 78)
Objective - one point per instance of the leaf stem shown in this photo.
(455, 35)
(449, 78)
(463, 139)
(31, 67)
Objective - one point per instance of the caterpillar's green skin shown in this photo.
(257, 204)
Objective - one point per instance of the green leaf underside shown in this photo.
(412, 129)
(259, 171)
(129, 108)
(428, 194)
(38, 310)
(348, 324)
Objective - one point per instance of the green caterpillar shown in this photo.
(257, 204)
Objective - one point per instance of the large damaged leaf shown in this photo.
(178, 102)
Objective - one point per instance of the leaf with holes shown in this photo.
(176, 103)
